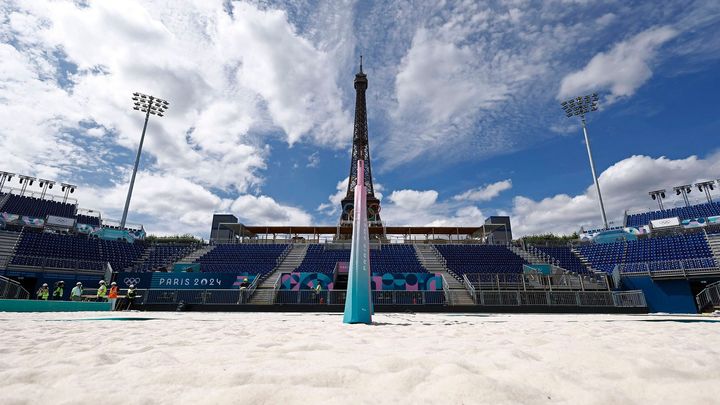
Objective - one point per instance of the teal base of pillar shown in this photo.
(52, 306)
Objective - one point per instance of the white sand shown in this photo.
(257, 358)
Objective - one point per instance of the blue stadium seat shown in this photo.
(387, 259)
(69, 251)
(658, 253)
(242, 258)
(36, 207)
(694, 211)
(563, 254)
(469, 259)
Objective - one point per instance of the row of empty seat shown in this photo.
(469, 259)
(687, 248)
(387, 259)
(243, 258)
(694, 211)
(163, 256)
(36, 207)
(566, 258)
(69, 251)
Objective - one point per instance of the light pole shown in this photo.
(45, 185)
(5, 176)
(148, 105)
(67, 189)
(706, 186)
(658, 195)
(684, 190)
(580, 106)
(25, 181)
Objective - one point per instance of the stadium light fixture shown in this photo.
(25, 181)
(148, 105)
(5, 176)
(658, 196)
(579, 107)
(706, 186)
(683, 190)
(67, 189)
(45, 185)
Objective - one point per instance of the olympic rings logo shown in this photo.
(131, 281)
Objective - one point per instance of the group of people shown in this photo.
(76, 294)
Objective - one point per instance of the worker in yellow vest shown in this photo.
(102, 292)
(43, 293)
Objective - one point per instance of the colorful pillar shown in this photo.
(358, 302)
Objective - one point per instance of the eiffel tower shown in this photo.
(360, 151)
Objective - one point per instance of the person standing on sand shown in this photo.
(102, 292)
(59, 290)
(76, 293)
(113, 294)
(43, 293)
(130, 297)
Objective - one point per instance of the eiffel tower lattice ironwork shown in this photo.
(360, 151)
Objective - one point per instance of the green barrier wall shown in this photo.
(51, 306)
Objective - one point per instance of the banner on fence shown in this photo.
(195, 281)
(385, 282)
(694, 222)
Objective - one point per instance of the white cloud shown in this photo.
(167, 204)
(624, 185)
(333, 207)
(222, 95)
(621, 70)
(422, 208)
(313, 160)
(485, 193)
(263, 210)
(413, 199)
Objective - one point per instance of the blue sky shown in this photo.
(463, 106)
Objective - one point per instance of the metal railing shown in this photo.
(470, 288)
(11, 289)
(604, 299)
(446, 290)
(680, 267)
(41, 196)
(535, 281)
(337, 297)
(709, 296)
(598, 299)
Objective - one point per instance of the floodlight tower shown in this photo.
(658, 195)
(45, 185)
(706, 186)
(684, 190)
(578, 107)
(25, 181)
(148, 105)
(3, 177)
(67, 189)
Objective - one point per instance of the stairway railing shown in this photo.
(710, 295)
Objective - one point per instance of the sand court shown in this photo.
(267, 358)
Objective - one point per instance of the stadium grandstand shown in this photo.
(48, 238)
(659, 260)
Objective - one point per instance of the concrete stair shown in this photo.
(196, 254)
(8, 241)
(264, 294)
(584, 260)
(3, 200)
(714, 243)
(528, 256)
(433, 262)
